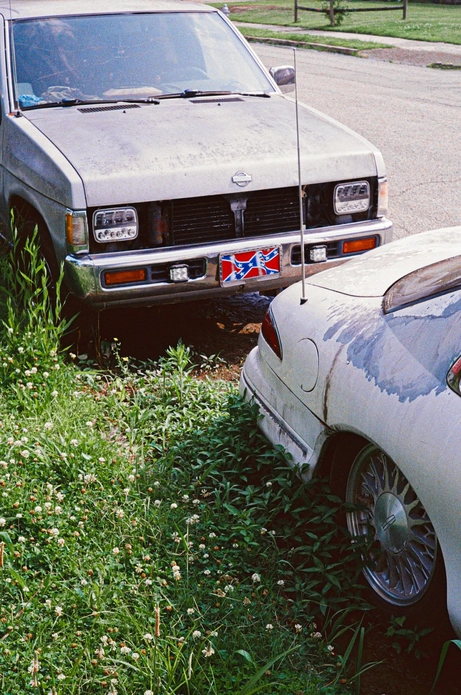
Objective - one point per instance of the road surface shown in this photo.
(412, 114)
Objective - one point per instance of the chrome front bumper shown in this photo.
(85, 274)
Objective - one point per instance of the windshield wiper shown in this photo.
(192, 93)
(90, 102)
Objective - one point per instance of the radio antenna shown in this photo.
(300, 189)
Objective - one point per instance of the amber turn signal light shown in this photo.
(358, 245)
(123, 277)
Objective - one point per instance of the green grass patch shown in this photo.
(425, 21)
(151, 543)
(300, 38)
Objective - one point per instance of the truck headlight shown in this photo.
(116, 224)
(349, 198)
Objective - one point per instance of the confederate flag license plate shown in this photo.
(236, 268)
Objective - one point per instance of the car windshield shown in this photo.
(129, 56)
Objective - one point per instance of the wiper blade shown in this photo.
(90, 102)
(190, 93)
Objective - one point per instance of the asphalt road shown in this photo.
(412, 114)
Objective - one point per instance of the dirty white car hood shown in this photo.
(195, 146)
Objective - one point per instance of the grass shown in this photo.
(151, 543)
(425, 21)
(300, 38)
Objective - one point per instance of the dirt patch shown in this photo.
(417, 58)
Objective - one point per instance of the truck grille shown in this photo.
(208, 219)
(220, 218)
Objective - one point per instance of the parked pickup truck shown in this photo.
(158, 157)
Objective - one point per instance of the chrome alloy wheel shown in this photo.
(402, 557)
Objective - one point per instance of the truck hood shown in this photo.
(183, 148)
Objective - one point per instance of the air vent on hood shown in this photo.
(214, 100)
(115, 107)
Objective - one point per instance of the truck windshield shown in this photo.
(122, 56)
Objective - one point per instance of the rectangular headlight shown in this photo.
(117, 224)
(351, 197)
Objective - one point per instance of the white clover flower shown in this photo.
(331, 649)
(156, 483)
(61, 542)
(298, 628)
(58, 611)
(119, 513)
(48, 603)
(148, 692)
(173, 505)
(48, 425)
(195, 501)
(54, 394)
(25, 454)
(281, 582)
(60, 496)
(74, 442)
(190, 611)
(212, 535)
(196, 634)
(209, 651)
(185, 498)
(115, 551)
(135, 656)
(58, 510)
(206, 572)
(46, 375)
(20, 350)
(60, 676)
(21, 539)
(263, 531)
(125, 650)
(89, 423)
(255, 578)
(269, 627)
(131, 478)
(38, 509)
(316, 635)
(148, 637)
(2, 521)
(202, 546)
(54, 532)
(104, 639)
(148, 582)
(157, 503)
(47, 505)
(83, 582)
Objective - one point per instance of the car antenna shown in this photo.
(300, 189)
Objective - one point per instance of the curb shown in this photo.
(304, 44)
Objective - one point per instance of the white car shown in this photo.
(360, 379)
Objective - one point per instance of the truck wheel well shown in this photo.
(26, 218)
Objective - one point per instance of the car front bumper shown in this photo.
(85, 273)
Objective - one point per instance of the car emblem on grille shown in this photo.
(241, 178)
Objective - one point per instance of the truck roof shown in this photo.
(25, 9)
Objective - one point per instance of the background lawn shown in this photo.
(425, 22)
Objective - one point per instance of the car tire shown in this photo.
(404, 569)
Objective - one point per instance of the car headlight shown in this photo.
(116, 224)
(349, 198)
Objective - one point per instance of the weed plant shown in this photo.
(150, 541)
